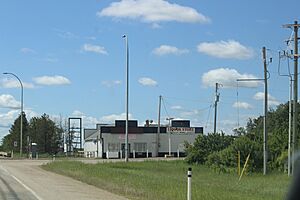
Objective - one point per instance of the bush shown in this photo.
(204, 145)
(227, 158)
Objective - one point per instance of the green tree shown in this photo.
(249, 140)
(45, 133)
(14, 135)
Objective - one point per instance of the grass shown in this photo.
(168, 181)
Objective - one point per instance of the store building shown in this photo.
(108, 141)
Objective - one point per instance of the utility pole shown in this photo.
(216, 104)
(266, 110)
(169, 134)
(290, 125)
(158, 125)
(295, 26)
(127, 98)
(287, 55)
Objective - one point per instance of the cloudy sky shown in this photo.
(70, 56)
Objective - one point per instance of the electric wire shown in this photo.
(163, 101)
(208, 116)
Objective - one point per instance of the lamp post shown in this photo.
(21, 125)
(127, 91)
(170, 119)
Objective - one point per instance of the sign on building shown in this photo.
(180, 130)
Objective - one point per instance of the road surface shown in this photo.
(25, 180)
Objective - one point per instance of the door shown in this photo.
(123, 150)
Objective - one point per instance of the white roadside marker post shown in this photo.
(189, 185)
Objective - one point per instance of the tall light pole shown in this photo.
(170, 119)
(127, 91)
(21, 125)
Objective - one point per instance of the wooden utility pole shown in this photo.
(295, 27)
(265, 79)
(216, 105)
(266, 111)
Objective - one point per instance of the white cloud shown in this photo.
(156, 26)
(242, 105)
(77, 113)
(111, 83)
(89, 121)
(166, 49)
(111, 118)
(30, 113)
(52, 80)
(189, 114)
(27, 50)
(6, 119)
(176, 108)
(226, 49)
(228, 78)
(94, 48)
(65, 34)
(12, 83)
(226, 126)
(151, 11)
(272, 101)
(8, 101)
(145, 81)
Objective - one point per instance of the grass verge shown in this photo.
(168, 180)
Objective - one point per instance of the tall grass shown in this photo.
(167, 181)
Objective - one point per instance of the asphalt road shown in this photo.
(25, 180)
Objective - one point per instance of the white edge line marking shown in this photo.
(25, 186)
(28, 188)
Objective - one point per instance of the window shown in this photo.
(140, 147)
(113, 147)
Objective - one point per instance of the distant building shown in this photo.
(108, 141)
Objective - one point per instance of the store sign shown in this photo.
(177, 130)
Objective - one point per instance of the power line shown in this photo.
(165, 108)
(208, 116)
(184, 99)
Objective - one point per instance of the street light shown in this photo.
(127, 88)
(21, 126)
(170, 119)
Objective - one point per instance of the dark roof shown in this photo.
(133, 128)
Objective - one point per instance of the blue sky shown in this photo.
(70, 56)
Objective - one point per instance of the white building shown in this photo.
(108, 141)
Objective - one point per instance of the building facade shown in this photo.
(108, 141)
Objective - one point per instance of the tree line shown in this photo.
(40, 130)
(220, 151)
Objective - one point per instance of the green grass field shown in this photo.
(168, 180)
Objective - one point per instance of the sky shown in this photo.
(71, 59)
